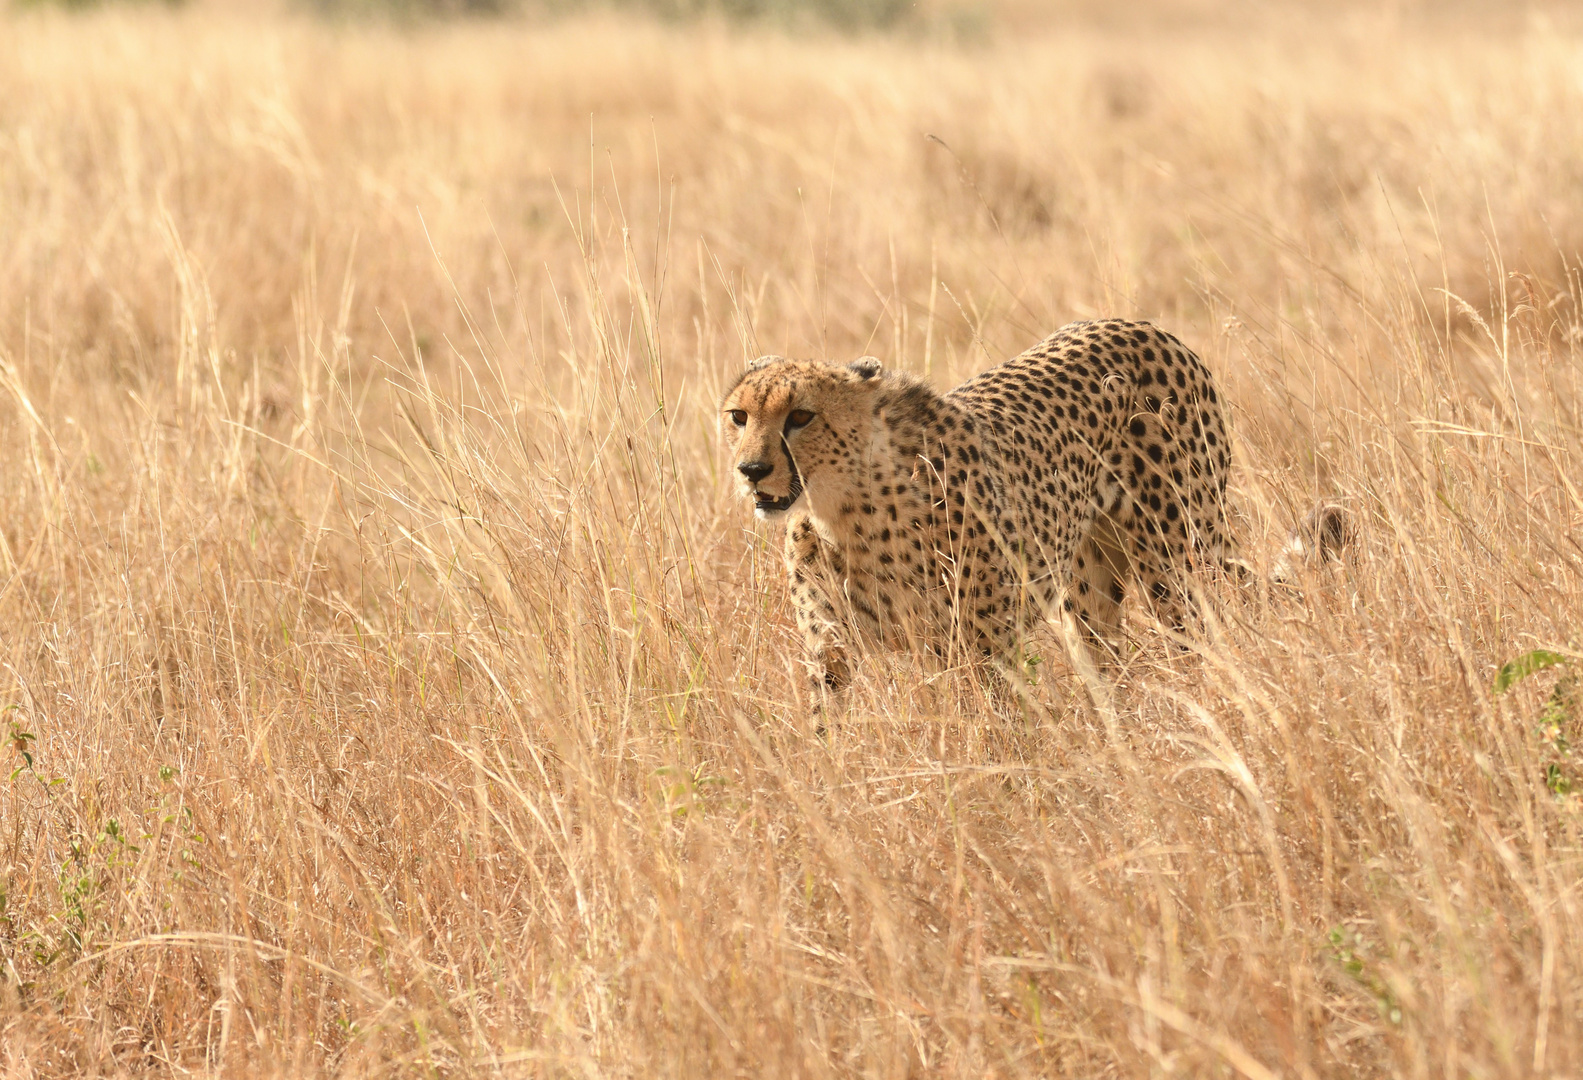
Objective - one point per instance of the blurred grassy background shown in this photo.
(967, 19)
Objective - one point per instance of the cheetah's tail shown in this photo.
(1321, 537)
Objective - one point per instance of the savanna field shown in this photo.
(394, 683)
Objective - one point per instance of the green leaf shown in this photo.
(1529, 663)
(1557, 781)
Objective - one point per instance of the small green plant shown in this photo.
(1350, 950)
(76, 884)
(21, 742)
(682, 791)
(1557, 717)
(1519, 668)
(95, 861)
(1030, 664)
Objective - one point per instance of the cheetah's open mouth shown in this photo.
(767, 505)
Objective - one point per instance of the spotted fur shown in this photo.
(1092, 463)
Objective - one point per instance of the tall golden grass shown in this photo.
(394, 683)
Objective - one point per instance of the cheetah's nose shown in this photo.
(755, 470)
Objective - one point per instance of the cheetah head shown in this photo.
(795, 426)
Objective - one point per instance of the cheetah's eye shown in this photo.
(799, 418)
(738, 417)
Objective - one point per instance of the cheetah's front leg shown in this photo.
(808, 570)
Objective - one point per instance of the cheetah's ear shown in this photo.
(865, 367)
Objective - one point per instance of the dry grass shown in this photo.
(404, 689)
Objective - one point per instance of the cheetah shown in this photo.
(1095, 461)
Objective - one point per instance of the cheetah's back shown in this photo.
(1111, 457)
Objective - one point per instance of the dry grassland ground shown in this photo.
(393, 682)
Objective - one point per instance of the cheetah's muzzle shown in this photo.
(766, 505)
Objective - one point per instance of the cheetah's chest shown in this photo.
(906, 532)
